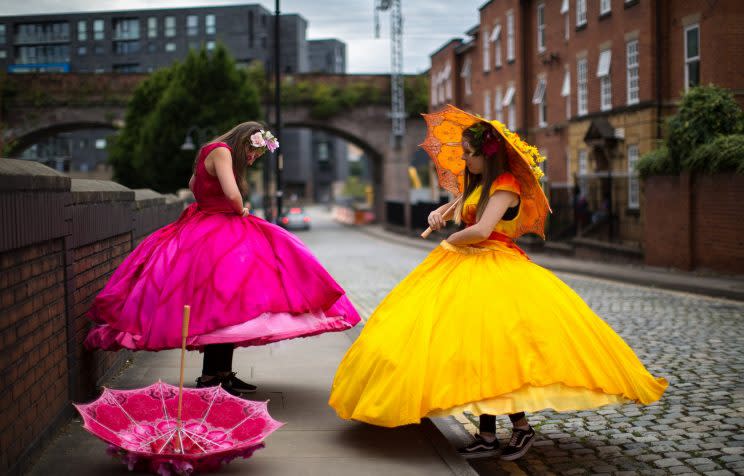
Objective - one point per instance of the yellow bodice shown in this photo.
(505, 181)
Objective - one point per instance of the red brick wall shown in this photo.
(92, 266)
(718, 242)
(33, 366)
(695, 222)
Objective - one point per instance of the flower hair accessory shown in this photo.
(264, 139)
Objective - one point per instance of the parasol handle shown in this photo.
(184, 335)
(449, 209)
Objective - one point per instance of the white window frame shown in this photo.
(582, 87)
(447, 78)
(169, 26)
(540, 27)
(152, 27)
(192, 25)
(465, 74)
(691, 60)
(510, 44)
(583, 171)
(498, 106)
(82, 30)
(565, 11)
(511, 105)
(605, 6)
(487, 105)
(634, 192)
(580, 13)
(566, 90)
(538, 99)
(99, 29)
(210, 24)
(633, 79)
(605, 79)
(496, 38)
(486, 53)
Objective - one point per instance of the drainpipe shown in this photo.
(657, 12)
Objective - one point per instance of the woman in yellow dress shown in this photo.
(478, 327)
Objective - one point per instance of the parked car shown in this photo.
(295, 219)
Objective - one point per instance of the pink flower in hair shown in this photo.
(257, 139)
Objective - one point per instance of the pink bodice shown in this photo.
(207, 189)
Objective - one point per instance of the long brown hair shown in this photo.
(494, 164)
(238, 138)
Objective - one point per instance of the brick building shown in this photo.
(589, 82)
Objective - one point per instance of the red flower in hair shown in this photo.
(491, 143)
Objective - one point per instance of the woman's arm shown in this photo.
(191, 183)
(222, 161)
(437, 219)
(495, 209)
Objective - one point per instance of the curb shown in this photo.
(636, 276)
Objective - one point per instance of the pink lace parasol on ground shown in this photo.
(172, 430)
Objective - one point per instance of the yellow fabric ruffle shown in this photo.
(483, 329)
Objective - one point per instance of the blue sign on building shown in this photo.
(39, 68)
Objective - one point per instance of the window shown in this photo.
(605, 7)
(511, 106)
(487, 105)
(447, 80)
(583, 172)
(98, 50)
(692, 56)
(632, 66)
(498, 105)
(170, 47)
(170, 27)
(100, 143)
(126, 47)
(510, 53)
(2, 34)
(538, 99)
(633, 188)
(541, 28)
(566, 19)
(82, 50)
(98, 30)
(210, 25)
(581, 87)
(486, 53)
(82, 30)
(496, 38)
(580, 13)
(465, 74)
(210, 45)
(152, 27)
(605, 81)
(3, 54)
(126, 29)
(152, 47)
(192, 25)
(566, 91)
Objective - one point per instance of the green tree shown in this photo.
(206, 91)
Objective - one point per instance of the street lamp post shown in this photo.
(278, 110)
(203, 134)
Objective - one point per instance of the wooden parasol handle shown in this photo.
(445, 215)
(184, 335)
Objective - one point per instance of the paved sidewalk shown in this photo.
(296, 377)
(718, 286)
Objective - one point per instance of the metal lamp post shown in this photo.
(278, 110)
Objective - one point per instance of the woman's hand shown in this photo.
(436, 221)
(246, 212)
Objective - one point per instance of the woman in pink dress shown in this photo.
(248, 282)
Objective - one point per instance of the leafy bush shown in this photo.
(724, 154)
(656, 162)
(705, 113)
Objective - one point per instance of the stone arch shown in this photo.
(28, 138)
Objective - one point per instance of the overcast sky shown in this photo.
(427, 24)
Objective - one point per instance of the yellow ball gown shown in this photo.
(481, 328)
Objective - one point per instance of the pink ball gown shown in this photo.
(248, 282)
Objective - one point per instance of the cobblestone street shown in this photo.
(697, 343)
